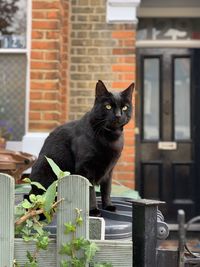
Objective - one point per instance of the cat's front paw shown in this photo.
(95, 212)
(110, 208)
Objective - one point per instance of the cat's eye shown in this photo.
(125, 108)
(108, 106)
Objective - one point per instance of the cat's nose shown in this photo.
(118, 115)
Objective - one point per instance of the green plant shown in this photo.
(27, 215)
(80, 251)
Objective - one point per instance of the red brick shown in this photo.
(52, 55)
(123, 34)
(53, 15)
(124, 68)
(45, 5)
(37, 35)
(34, 115)
(120, 85)
(36, 75)
(37, 55)
(44, 65)
(123, 51)
(45, 25)
(130, 59)
(51, 96)
(51, 116)
(53, 35)
(42, 106)
(127, 76)
(45, 45)
(53, 85)
(38, 15)
(35, 95)
(42, 126)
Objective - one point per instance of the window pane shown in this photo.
(12, 93)
(182, 98)
(151, 99)
(13, 15)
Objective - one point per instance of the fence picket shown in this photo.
(6, 220)
(75, 191)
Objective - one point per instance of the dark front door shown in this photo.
(166, 122)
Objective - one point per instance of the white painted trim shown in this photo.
(121, 11)
(174, 44)
(123, 3)
(166, 12)
(13, 51)
(28, 45)
(33, 142)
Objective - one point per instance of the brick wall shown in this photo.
(72, 43)
(49, 53)
(101, 51)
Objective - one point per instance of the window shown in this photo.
(182, 98)
(13, 65)
(151, 99)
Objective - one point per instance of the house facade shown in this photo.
(53, 52)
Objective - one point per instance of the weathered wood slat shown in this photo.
(119, 253)
(75, 191)
(46, 258)
(6, 220)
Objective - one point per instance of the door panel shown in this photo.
(165, 157)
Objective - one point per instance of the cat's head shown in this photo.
(112, 111)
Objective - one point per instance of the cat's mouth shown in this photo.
(112, 128)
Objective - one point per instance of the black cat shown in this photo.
(90, 146)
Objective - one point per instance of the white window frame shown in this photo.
(17, 145)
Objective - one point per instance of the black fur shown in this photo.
(90, 146)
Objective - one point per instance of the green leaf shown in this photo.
(38, 229)
(38, 185)
(29, 256)
(90, 251)
(58, 172)
(79, 221)
(80, 243)
(69, 228)
(27, 180)
(103, 264)
(33, 198)
(50, 196)
(27, 238)
(48, 216)
(64, 263)
(66, 249)
(42, 242)
(26, 204)
(54, 167)
(29, 223)
(78, 262)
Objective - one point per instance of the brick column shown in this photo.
(49, 51)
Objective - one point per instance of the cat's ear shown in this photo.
(127, 93)
(101, 89)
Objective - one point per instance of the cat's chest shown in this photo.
(105, 158)
(98, 158)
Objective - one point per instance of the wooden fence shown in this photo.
(142, 252)
(75, 191)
